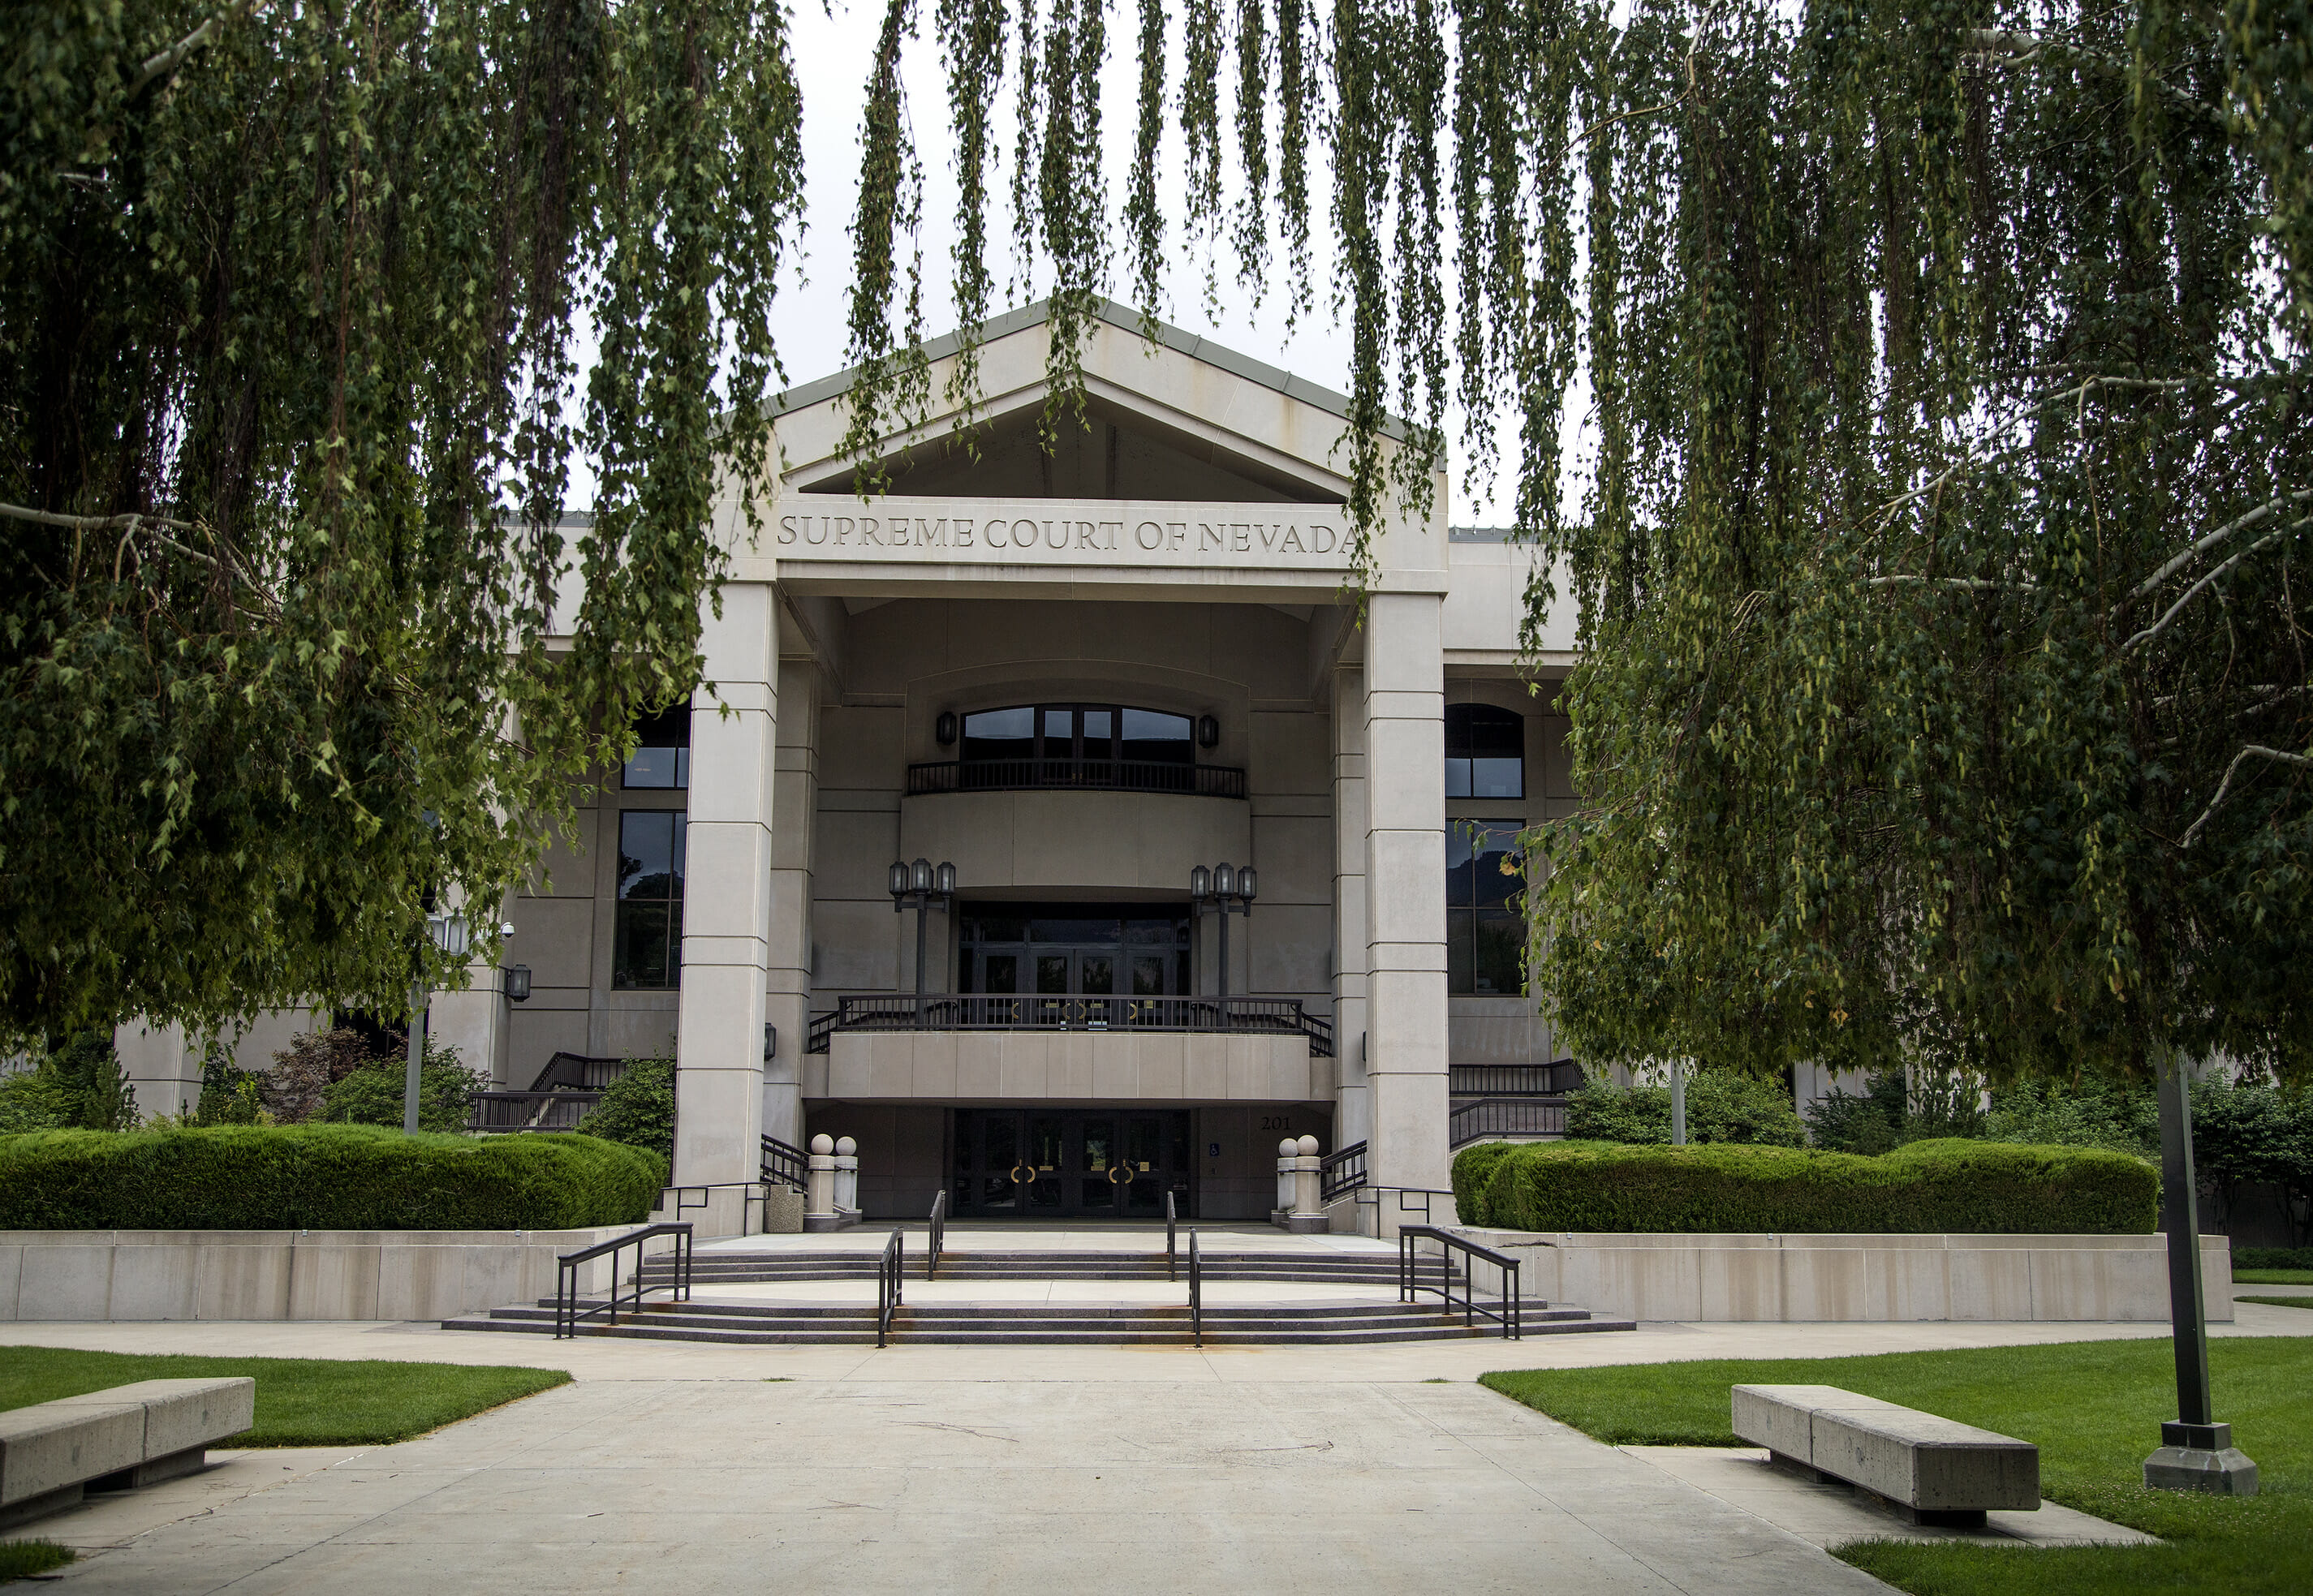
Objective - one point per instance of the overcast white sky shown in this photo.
(832, 53)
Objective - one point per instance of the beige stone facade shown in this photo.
(1183, 556)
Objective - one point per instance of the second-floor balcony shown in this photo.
(1264, 1016)
(1102, 776)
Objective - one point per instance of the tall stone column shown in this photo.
(794, 800)
(726, 912)
(1354, 1122)
(1405, 892)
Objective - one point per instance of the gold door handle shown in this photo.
(1120, 1175)
(1023, 1174)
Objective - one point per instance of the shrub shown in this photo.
(1893, 1109)
(80, 1085)
(2122, 1116)
(294, 1088)
(637, 1108)
(2273, 1258)
(2244, 1133)
(1720, 1107)
(372, 1094)
(1962, 1187)
(1472, 1168)
(318, 1177)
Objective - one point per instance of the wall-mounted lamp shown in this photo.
(1228, 890)
(944, 728)
(1209, 731)
(771, 1043)
(517, 983)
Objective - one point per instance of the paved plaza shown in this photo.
(927, 1468)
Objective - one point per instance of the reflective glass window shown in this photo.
(647, 937)
(661, 757)
(1485, 751)
(1485, 918)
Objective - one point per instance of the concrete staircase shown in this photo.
(1044, 1324)
(953, 1314)
(1360, 1270)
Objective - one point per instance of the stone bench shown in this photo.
(53, 1452)
(1932, 1470)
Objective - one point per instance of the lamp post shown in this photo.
(920, 884)
(449, 934)
(2196, 1452)
(1227, 891)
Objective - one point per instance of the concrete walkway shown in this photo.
(992, 1486)
(931, 1470)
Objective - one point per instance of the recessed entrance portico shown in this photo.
(1070, 1163)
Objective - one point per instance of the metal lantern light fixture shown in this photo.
(517, 983)
(921, 884)
(1227, 891)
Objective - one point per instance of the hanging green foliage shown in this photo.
(289, 315)
(1945, 690)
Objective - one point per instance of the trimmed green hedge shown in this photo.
(318, 1177)
(1953, 1185)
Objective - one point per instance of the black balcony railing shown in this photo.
(578, 1072)
(1108, 776)
(1496, 1117)
(991, 1011)
(528, 1111)
(1514, 1079)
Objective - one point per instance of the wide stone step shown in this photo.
(1047, 1324)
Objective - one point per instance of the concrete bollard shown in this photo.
(1287, 1151)
(847, 1176)
(819, 1202)
(1308, 1216)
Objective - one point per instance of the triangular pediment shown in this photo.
(1178, 419)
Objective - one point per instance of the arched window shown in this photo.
(1485, 751)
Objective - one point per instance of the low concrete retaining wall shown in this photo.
(1793, 1279)
(277, 1274)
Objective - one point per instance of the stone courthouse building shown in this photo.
(1226, 854)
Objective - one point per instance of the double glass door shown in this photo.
(1068, 1163)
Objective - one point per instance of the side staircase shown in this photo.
(1297, 1318)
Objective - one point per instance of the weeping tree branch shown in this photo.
(2225, 785)
(2263, 511)
(2161, 626)
(170, 60)
(131, 526)
(2020, 49)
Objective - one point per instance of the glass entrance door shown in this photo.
(1071, 1163)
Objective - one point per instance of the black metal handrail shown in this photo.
(1513, 1080)
(1116, 776)
(1342, 1171)
(567, 1313)
(786, 1165)
(938, 1241)
(1005, 1012)
(888, 1283)
(1509, 1315)
(1504, 1116)
(1172, 1258)
(528, 1111)
(578, 1072)
(1196, 1292)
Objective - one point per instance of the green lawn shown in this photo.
(2272, 1277)
(19, 1558)
(2092, 1408)
(300, 1402)
(2280, 1301)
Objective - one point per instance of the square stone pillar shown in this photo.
(726, 911)
(1354, 1123)
(794, 789)
(1405, 896)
